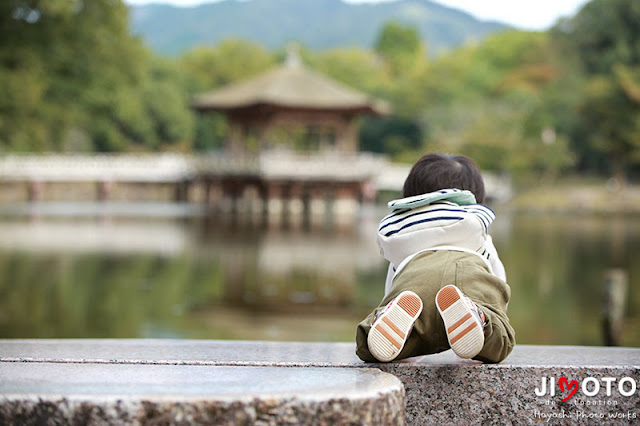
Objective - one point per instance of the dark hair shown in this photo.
(437, 171)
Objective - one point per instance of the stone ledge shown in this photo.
(265, 353)
(439, 388)
(81, 393)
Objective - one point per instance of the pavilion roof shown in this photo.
(290, 85)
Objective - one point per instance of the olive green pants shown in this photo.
(425, 275)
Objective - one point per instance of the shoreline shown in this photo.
(576, 196)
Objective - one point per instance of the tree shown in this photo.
(207, 68)
(229, 61)
(355, 67)
(166, 100)
(67, 69)
(401, 48)
(391, 135)
(611, 114)
(489, 101)
(604, 35)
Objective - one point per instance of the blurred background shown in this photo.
(217, 170)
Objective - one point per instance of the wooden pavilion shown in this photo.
(290, 107)
(303, 128)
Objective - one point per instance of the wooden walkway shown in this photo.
(216, 179)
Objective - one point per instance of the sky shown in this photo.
(523, 14)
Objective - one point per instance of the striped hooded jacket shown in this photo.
(448, 219)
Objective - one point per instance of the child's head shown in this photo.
(437, 171)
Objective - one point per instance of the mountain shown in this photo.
(317, 24)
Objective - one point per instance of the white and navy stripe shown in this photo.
(441, 213)
(409, 218)
(484, 213)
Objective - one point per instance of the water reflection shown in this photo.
(188, 276)
(556, 266)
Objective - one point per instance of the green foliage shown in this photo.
(355, 67)
(72, 78)
(231, 60)
(488, 101)
(604, 38)
(604, 33)
(401, 48)
(166, 106)
(403, 55)
(392, 135)
(210, 132)
(612, 118)
(208, 68)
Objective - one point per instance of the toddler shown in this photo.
(446, 287)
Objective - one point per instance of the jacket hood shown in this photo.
(433, 221)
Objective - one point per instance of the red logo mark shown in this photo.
(571, 386)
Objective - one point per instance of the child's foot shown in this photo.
(391, 328)
(463, 320)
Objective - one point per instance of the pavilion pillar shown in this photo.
(316, 203)
(103, 190)
(263, 134)
(235, 136)
(285, 202)
(346, 197)
(347, 136)
(213, 193)
(206, 196)
(272, 203)
(232, 192)
(181, 192)
(305, 199)
(279, 199)
(298, 208)
(35, 190)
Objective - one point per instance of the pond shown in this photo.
(165, 271)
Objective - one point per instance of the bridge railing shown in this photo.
(177, 167)
(98, 167)
(325, 166)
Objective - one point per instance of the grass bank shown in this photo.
(578, 195)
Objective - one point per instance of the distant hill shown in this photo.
(317, 24)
